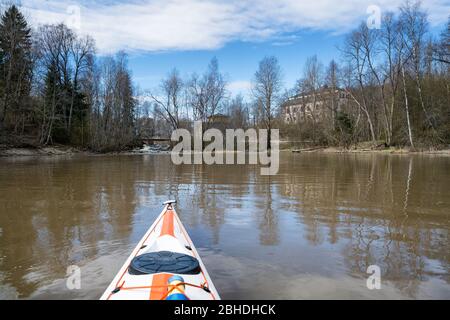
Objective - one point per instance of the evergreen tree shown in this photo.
(15, 64)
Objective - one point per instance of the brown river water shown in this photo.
(309, 232)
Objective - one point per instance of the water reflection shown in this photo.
(323, 220)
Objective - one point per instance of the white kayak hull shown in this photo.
(167, 234)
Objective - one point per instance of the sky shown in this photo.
(160, 35)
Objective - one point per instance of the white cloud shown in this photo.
(239, 87)
(154, 25)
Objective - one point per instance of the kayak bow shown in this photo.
(164, 266)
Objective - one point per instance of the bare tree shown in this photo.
(414, 24)
(238, 112)
(408, 119)
(371, 47)
(82, 49)
(116, 110)
(392, 47)
(356, 56)
(311, 90)
(171, 100)
(267, 85)
(207, 93)
(66, 38)
(442, 48)
(332, 81)
(50, 40)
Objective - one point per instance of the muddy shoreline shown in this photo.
(39, 151)
(445, 152)
(7, 152)
(67, 151)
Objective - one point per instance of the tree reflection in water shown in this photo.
(326, 216)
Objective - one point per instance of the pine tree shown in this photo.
(15, 64)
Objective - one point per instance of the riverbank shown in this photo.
(61, 150)
(38, 151)
(377, 151)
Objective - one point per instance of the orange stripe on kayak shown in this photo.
(190, 241)
(160, 286)
(167, 227)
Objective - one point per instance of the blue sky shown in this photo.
(238, 59)
(162, 34)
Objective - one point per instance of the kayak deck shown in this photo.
(164, 250)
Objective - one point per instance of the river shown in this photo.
(309, 232)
